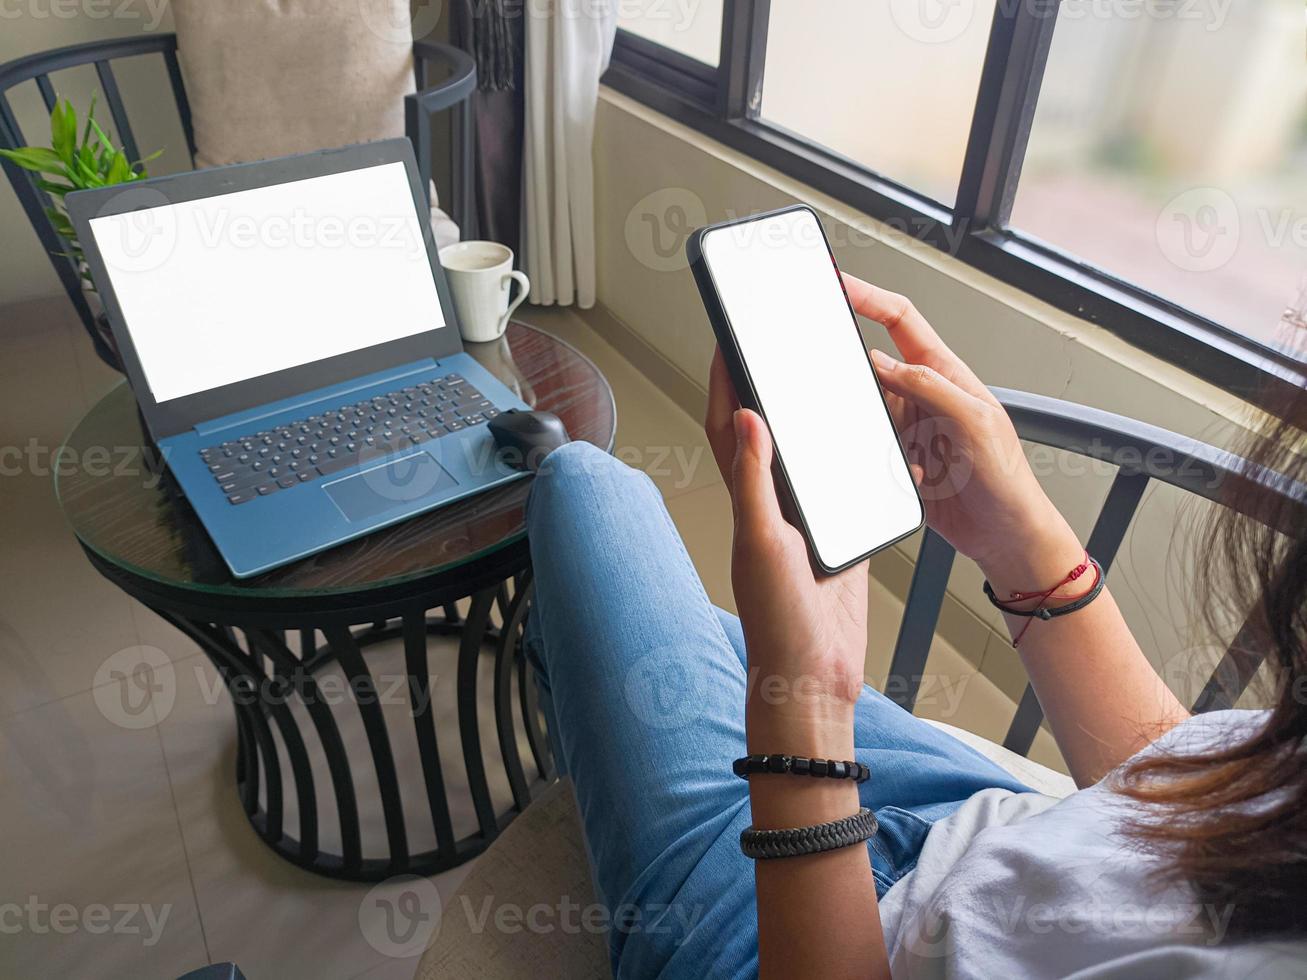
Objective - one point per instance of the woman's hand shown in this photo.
(978, 488)
(1105, 702)
(807, 638)
(806, 633)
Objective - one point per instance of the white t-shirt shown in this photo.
(1020, 885)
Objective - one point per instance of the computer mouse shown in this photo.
(526, 438)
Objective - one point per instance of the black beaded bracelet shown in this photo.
(752, 765)
(798, 841)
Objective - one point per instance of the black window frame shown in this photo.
(725, 102)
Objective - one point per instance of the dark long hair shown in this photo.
(1234, 820)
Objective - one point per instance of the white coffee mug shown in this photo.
(481, 276)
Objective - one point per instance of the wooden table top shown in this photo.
(123, 510)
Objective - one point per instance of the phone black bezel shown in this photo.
(743, 381)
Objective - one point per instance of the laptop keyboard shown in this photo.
(279, 458)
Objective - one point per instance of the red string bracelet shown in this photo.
(1038, 611)
(1047, 594)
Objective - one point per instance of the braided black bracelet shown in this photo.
(798, 841)
(752, 765)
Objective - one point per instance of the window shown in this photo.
(691, 28)
(890, 90)
(1173, 152)
(1139, 163)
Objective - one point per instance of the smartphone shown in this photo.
(788, 335)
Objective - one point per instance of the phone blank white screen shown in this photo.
(240, 285)
(814, 383)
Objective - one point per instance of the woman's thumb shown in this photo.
(754, 491)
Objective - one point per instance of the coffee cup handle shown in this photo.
(525, 284)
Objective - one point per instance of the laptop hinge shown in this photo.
(300, 403)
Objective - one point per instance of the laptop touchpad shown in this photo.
(384, 488)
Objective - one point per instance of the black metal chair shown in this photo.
(454, 92)
(547, 837)
(1141, 453)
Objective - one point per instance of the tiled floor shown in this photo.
(123, 851)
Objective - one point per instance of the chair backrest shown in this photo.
(1141, 453)
(454, 92)
(37, 69)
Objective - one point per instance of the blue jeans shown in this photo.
(644, 683)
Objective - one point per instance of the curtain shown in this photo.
(568, 43)
(492, 30)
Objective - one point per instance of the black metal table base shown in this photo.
(265, 674)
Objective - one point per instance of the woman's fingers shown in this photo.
(924, 387)
(718, 423)
(753, 491)
(898, 410)
(912, 334)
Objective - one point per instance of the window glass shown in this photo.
(692, 27)
(1169, 148)
(890, 84)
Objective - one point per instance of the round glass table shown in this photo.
(404, 583)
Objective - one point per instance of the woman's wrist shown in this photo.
(820, 731)
(1036, 558)
(779, 801)
(783, 800)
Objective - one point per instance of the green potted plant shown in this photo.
(69, 164)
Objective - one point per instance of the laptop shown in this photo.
(289, 335)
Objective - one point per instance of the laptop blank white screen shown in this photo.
(232, 287)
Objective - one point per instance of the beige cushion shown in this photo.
(268, 78)
(541, 859)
